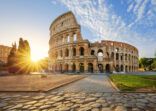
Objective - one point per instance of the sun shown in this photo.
(35, 57)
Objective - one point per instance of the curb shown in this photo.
(114, 86)
(65, 83)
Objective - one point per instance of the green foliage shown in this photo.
(146, 63)
(134, 82)
(154, 65)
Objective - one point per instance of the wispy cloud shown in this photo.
(100, 17)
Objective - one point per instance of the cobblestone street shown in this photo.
(92, 83)
(65, 101)
(93, 93)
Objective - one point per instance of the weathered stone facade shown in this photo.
(69, 52)
(4, 52)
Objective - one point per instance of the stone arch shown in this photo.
(81, 67)
(107, 68)
(100, 66)
(73, 67)
(117, 50)
(117, 56)
(81, 51)
(125, 56)
(121, 68)
(92, 52)
(66, 67)
(68, 38)
(117, 68)
(121, 57)
(66, 52)
(100, 50)
(90, 67)
(74, 51)
(100, 55)
(75, 37)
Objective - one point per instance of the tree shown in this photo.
(12, 59)
(154, 63)
(20, 59)
(23, 54)
(146, 63)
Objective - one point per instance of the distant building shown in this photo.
(69, 52)
(4, 52)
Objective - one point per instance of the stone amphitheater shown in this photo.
(70, 52)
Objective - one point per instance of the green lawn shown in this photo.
(134, 82)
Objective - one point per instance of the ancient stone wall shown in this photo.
(4, 52)
(69, 52)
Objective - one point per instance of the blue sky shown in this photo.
(130, 21)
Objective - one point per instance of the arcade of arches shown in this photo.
(69, 52)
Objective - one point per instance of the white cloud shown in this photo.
(102, 20)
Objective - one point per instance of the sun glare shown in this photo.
(36, 57)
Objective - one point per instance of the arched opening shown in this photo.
(117, 50)
(74, 51)
(117, 56)
(100, 55)
(75, 38)
(81, 67)
(100, 66)
(73, 67)
(125, 56)
(117, 68)
(122, 68)
(121, 57)
(81, 51)
(66, 52)
(90, 67)
(107, 68)
(68, 38)
(92, 52)
(66, 67)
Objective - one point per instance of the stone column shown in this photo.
(85, 66)
(77, 51)
(95, 66)
(124, 66)
(77, 67)
(70, 52)
(70, 67)
(114, 61)
(71, 37)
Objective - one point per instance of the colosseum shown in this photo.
(69, 52)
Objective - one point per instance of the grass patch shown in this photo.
(134, 82)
